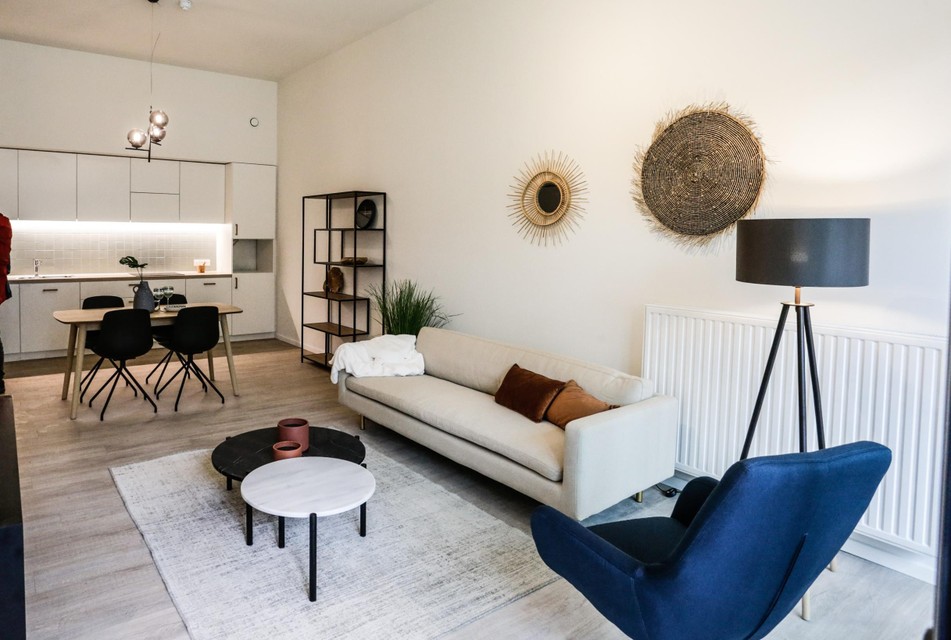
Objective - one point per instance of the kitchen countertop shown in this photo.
(97, 277)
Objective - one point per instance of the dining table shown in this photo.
(81, 321)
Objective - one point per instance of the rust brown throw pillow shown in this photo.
(527, 392)
(572, 403)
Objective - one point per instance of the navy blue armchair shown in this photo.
(734, 557)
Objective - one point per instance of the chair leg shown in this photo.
(86, 382)
(164, 360)
(145, 395)
(115, 381)
(181, 386)
(114, 375)
(159, 390)
(806, 611)
(205, 379)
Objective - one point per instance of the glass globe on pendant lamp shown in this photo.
(159, 118)
(137, 138)
(156, 133)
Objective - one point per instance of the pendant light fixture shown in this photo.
(158, 119)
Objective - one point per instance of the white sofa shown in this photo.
(592, 464)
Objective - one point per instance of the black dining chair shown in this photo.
(195, 331)
(124, 335)
(96, 302)
(163, 336)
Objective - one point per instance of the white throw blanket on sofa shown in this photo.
(382, 356)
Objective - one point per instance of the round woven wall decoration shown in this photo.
(547, 198)
(703, 171)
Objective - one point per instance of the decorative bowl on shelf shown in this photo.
(352, 260)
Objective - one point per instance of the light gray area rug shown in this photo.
(431, 562)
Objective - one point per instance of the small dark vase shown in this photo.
(286, 449)
(143, 297)
(296, 430)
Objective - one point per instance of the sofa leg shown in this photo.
(638, 497)
(363, 423)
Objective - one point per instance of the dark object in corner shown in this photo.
(12, 589)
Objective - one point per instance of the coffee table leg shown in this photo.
(363, 513)
(280, 532)
(313, 557)
(249, 535)
(228, 485)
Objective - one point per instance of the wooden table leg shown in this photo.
(70, 350)
(77, 370)
(211, 364)
(226, 335)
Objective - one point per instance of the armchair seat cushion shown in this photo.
(650, 540)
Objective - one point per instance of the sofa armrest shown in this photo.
(613, 454)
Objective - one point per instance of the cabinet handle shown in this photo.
(236, 283)
(209, 284)
(235, 228)
(49, 290)
(133, 284)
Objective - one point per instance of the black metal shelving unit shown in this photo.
(338, 239)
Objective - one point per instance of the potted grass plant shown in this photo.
(405, 308)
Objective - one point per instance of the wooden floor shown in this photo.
(90, 575)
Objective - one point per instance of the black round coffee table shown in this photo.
(239, 455)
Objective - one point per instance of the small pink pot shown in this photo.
(296, 429)
(286, 449)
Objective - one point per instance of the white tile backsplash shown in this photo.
(99, 252)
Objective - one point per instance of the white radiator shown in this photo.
(879, 386)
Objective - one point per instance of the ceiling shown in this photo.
(265, 39)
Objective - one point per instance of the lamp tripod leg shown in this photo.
(814, 372)
(801, 376)
(770, 361)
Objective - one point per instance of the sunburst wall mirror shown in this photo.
(703, 172)
(547, 198)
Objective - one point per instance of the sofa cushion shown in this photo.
(527, 392)
(481, 364)
(473, 416)
(572, 403)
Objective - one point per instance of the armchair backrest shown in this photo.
(761, 538)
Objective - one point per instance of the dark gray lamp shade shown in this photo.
(803, 252)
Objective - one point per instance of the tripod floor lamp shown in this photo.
(800, 252)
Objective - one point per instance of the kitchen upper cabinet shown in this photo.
(158, 176)
(8, 183)
(10, 321)
(251, 199)
(212, 289)
(47, 185)
(254, 294)
(102, 188)
(202, 192)
(37, 303)
(154, 207)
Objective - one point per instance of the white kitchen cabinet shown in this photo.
(211, 289)
(40, 331)
(10, 321)
(47, 185)
(154, 207)
(251, 199)
(8, 183)
(254, 294)
(102, 188)
(158, 176)
(202, 192)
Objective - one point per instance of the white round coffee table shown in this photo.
(307, 488)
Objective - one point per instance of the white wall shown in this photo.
(442, 109)
(55, 99)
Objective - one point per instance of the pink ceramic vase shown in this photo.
(296, 429)
(286, 449)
